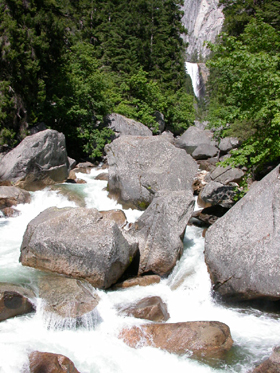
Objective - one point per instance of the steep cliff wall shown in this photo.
(204, 20)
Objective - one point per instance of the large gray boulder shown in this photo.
(194, 137)
(141, 166)
(242, 247)
(160, 229)
(39, 160)
(77, 242)
(125, 126)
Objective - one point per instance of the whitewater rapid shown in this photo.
(95, 348)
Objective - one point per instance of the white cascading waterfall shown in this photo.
(193, 71)
(95, 348)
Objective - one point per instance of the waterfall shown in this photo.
(193, 71)
(96, 348)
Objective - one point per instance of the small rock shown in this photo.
(14, 300)
(138, 281)
(150, 308)
(46, 362)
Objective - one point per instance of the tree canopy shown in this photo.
(244, 86)
(67, 63)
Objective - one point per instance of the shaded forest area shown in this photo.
(68, 63)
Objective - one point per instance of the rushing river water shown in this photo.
(96, 349)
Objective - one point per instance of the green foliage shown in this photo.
(180, 113)
(141, 98)
(68, 63)
(245, 92)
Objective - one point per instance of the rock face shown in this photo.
(226, 175)
(39, 160)
(138, 281)
(202, 338)
(46, 362)
(14, 300)
(203, 20)
(77, 242)
(12, 196)
(141, 166)
(194, 137)
(205, 151)
(67, 297)
(242, 247)
(125, 126)
(150, 308)
(216, 194)
(271, 365)
(160, 229)
(228, 143)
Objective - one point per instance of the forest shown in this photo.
(68, 63)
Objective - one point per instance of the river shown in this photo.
(95, 348)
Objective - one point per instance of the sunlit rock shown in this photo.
(39, 160)
(160, 230)
(46, 362)
(242, 247)
(141, 166)
(77, 242)
(198, 338)
(150, 308)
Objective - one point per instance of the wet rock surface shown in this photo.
(46, 362)
(15, 300)
(200, 338)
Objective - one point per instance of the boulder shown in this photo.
(67, 298)
(46, 362)
(201, 338)
(124, 126)
(226, 175)
(9, 212)
(15, 300)
(12, 196)
(242, 247)
(192, 138)
(138, 281)
(77, 242)
(150, 308)
(84, 167)
(72, 177)
(72, 163)
(270, 365)
(141, 166)
(102, 176)
(217, 194)
(117, 216)
(39, 160)
(205, 151)
(228, 143)
(160, 230)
